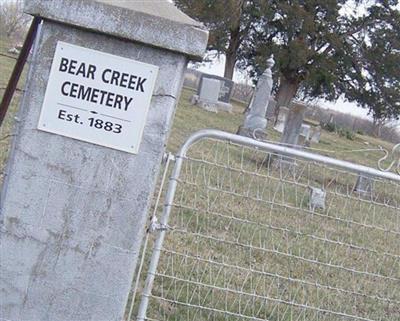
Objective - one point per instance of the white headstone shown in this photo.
(316, 135)
(281, 120)
(304, 136)
(305, 131)
(213, 94)
(209, 91)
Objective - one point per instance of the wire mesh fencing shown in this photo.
(251, 233)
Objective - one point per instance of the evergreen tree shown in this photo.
(322, 52)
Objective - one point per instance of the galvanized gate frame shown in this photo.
(244, 141)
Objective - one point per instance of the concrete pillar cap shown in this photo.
(159, 24)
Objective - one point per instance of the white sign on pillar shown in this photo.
(97, 97)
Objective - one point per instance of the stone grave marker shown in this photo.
(304, 135)
(79, 183)
(226, 89)
(364, 186)
(255, 120)
(209, 92)
(293, 124)
(316, 135)
(207, 100)
(281, 120)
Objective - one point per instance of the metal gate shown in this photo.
(257, 231)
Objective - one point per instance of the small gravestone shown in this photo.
(226, 89)
(364, 185)
(305, 131)
(281, 120)
(317, 198)
(316, 135)
(222, 100)
(255, 121)
(209, 90)
(304, 136)
(208, 97)
(293, 124)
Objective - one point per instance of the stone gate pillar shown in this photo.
(75, 198)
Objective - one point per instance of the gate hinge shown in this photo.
(155, 226)
(168, 156)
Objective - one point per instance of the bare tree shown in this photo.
(13, 22)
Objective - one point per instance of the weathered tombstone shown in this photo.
(281, 119)
(209, 92)
(208, 98)
(316, 135)
(75, 199)
(364, 185)
(222, 101)
(255, 122)
(226, 90)
(293, 124)
(305, 131)
(304, 136)
(317, 198)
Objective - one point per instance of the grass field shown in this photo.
(190, 118)
(245, 244)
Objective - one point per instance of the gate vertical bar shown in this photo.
(139, 272)
(160, 239)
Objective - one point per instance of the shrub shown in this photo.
(330, 127)
(344, 132)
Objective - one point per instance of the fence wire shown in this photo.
(254, 235)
